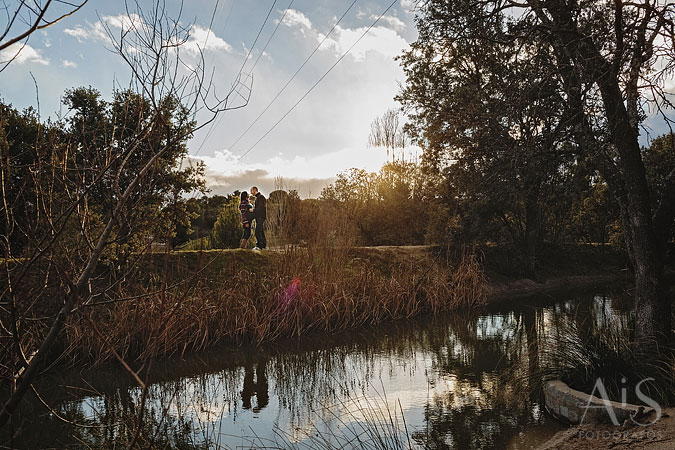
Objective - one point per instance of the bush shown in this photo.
(226, 231)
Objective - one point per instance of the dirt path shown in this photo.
(660, 436)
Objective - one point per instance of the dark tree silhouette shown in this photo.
(606, 63)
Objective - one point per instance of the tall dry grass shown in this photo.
(315, 289)
(321, 287)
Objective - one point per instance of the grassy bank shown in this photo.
(239, 295)
(190, 300)
(243, 296)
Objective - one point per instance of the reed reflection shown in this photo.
(451, 376)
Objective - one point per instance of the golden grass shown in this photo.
(315, 289)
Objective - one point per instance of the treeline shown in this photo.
(508, 196)
(405, 203)
(63, 178)
(408, 203)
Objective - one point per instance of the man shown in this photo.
(260, 215)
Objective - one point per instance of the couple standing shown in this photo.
(249, 212)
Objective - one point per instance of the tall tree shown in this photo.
(490, 121)
(608, 61)
(126, 155)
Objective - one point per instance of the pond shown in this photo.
(453, 381)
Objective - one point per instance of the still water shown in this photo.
(457, 381)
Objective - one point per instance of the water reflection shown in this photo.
(255, 387)
(443, 382)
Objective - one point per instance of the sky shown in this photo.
(325, 134)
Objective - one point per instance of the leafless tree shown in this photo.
(55, 274)
(387, 131)
(23, 18)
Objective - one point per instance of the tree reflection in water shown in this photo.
(451, 376)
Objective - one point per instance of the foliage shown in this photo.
(509, 98)
(595, 214)
(377, 204)
(90, 139)
(410, 204)
(489, 123)
(202, 213)
(62, 188)
(287, 217)
(226, 231)
(659, 160)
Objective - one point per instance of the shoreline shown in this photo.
(659, 436)
(525, 288)
(361, 285)
(398, 270)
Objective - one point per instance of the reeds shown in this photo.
(608, 354)
(318, 289)
(362, 422)
(583, 354)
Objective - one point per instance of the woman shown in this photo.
(246, 211)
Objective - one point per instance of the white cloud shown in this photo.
(99, 29)
(408, 5)
(199, 37)
(223, 161)
(295, 18)
(124, 21)
(82, 33)
(78, 33)
(382, 40)
(22, 54)
(205, 39)
(393, 22)
(69, 64)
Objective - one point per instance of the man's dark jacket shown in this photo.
(260, 207)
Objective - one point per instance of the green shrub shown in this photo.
(226, 231)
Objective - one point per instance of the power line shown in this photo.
(319, 80)
(258, 36)
(213, 16)
(229, 14)
(241, 69)
(227, 21)
(292, 77)
(271, 36)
